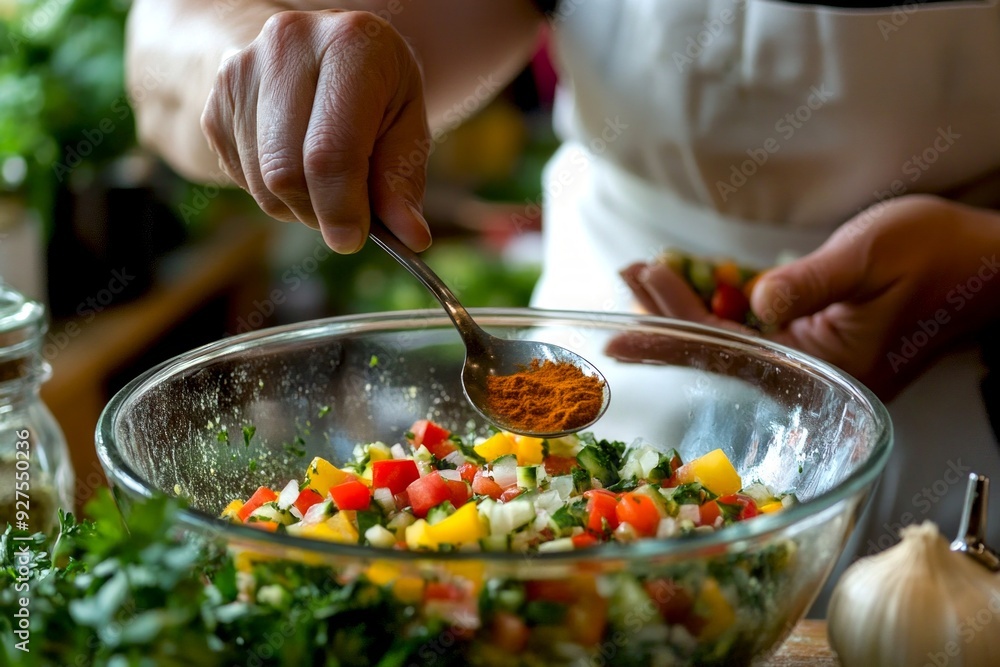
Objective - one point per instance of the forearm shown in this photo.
(468, 50)
(179, 45)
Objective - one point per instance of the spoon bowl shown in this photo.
(487, 355)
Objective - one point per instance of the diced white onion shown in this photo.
(690, 513)
(505, 474)
(456, 458)
(453, 475)
(317, 513)
(398, 452)
(562, 544)
(383, 496)
(380, 537)
(563, 485)
(288, 495)
(667, 528)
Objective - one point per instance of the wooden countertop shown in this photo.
(806, 647)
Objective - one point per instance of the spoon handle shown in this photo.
(388, 241)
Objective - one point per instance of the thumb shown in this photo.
(809, 284)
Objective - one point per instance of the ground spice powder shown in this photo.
(546, 397)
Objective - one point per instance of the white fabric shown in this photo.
(751, 129)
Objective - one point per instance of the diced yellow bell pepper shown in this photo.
(497, 445)
(472, 571)
(771, 507)
(338, 528)
(408, 589)
(712, 605)
(529, 450)
(418, 535)
(378, 451)
(714, 471)
(232, 510)
(321, 475)
(461, 527)
(381, 573)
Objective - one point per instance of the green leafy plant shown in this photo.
(62, 95)
(107, 595)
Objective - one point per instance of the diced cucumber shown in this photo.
(598, 465)
(505, 518)
(440, 512)
(271, 512)
(527, 477)
(495, 543)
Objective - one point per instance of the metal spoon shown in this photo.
(485, 354)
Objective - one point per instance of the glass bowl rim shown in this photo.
(687, 547)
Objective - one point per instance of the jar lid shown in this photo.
(22, 325)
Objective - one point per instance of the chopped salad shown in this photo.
(436, 491)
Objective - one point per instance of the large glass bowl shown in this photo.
(726, 598)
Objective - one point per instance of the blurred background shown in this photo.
(136, 264)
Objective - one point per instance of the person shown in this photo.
(860, 139)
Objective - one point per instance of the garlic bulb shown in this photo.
(916, 604)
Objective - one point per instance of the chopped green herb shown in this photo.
(373, 362)
(222, 436)
(252, 465)
(323, 411)
(248, 433)
(296, 447)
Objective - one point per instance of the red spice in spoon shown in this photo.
(546, 397)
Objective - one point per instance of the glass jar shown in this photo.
(36, 475)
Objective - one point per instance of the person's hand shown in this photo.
(880, 299)
(321, 118)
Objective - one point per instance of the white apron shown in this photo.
(753, 128)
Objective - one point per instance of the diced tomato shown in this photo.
(602, 508)
(747, 505)
(437, 590)
(671, 599)
(588, 620)
(560, 465)
(427, 492)
(485, 486)
(259, 497)
(708, 513)
(460, 492)
(307, 498)
(394, 474)
(584, 540)
(432, 436)
(468, 471)
(351, 495)
(640, 512)
(510, 493)
(730, 303)
(550, 590)
(509, 633)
